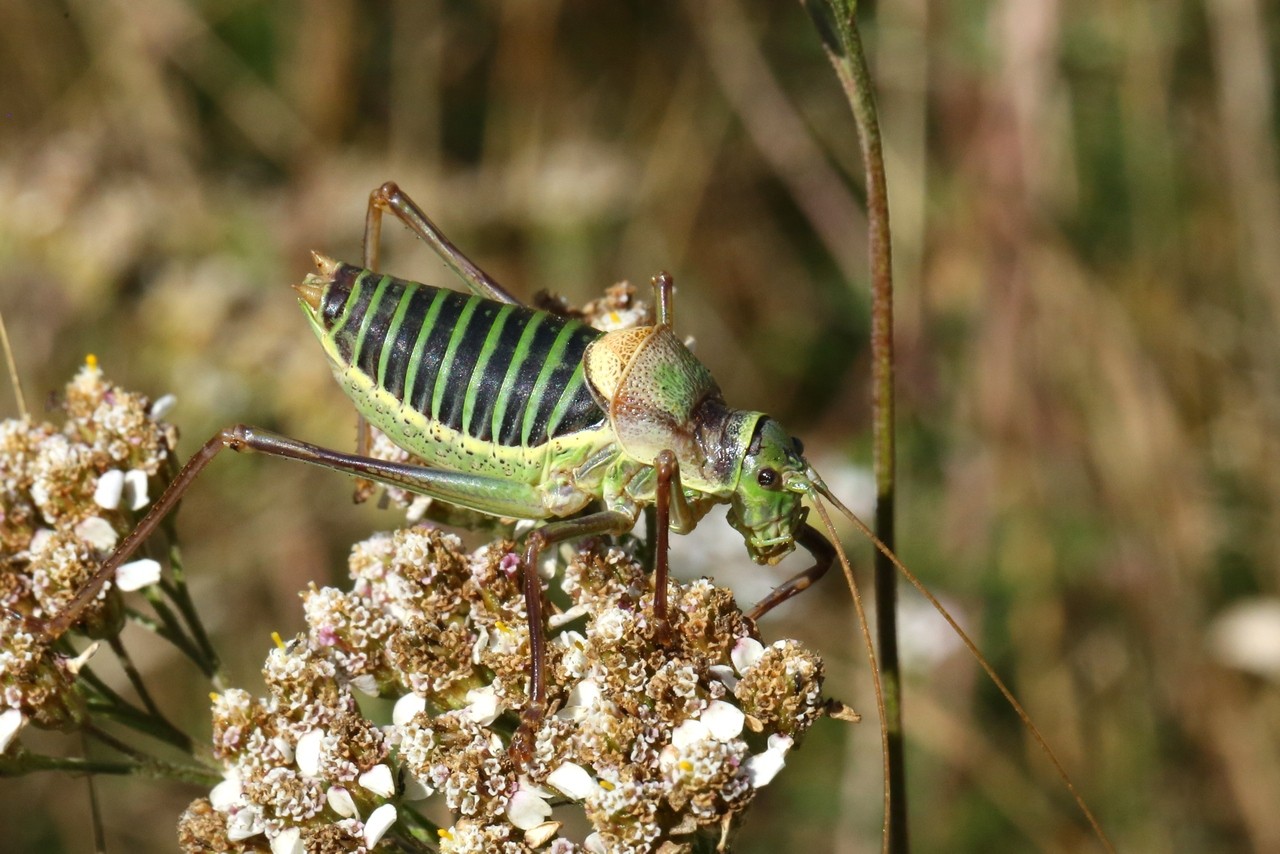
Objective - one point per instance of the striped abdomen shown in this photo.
(493, 372)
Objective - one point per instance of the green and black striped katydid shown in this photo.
(526, 414)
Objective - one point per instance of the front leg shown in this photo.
(824, 554)
(673, 511)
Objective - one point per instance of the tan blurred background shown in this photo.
(1087, 235)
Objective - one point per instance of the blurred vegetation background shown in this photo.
(1086, 217)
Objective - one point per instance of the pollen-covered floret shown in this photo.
(625, 812)
(783, 688)
(36, 684)
(301, 765)
(68, 494)
(471, 837)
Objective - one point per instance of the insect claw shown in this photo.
(522, 740)
(662, 634)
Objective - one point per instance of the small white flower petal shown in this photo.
(109, 489)
(98, 533)
(288, 841)
(11, 723)
(162, 406)
(417, 509)
(780, 742)
(1246, 636)
(135, 489)
(41, 538)
(540, 791)
(378, 780)
(571, 639)
(723, 720)
(763, 767)
(746, 652)
(244, 823)
(307, 753)
(689, 733)
(406, 707)
(483, 707)
(582, 698)
(415, 788)
(137, 574)
(367, 684)
(75, 664)
(594, 844)
(378, 823)
(227, 793)
(525, 810)
(481, 644)
(286, 749)
(572, 780)
(341, 802)
(725, 674)
(555, 621)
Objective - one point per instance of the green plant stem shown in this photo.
(150, 766)
(418, 826)
(171, 630)
(838, 28)
(135, 678)
(95, 808)
(18, 764)
(181, 596)
(115, 707)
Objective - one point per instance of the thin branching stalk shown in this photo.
(110, 704)
(838, 28)
(17, 764)
(95, 808)
(180, 593)
(135, 678)
(170, 628)
(149, 766)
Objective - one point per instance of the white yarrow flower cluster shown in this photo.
(656, 739)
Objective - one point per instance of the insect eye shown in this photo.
(767, 478)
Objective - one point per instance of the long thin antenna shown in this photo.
(875, 668)
(977, 654)
(13, 369)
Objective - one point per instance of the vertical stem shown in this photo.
(862, 99)
(838, 28)
(95, 809)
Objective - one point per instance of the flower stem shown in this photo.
(181, 596)
(171, 630)
(149, 766)
(17, 764)
(135, 678)
(838, 28)
(111, 705)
